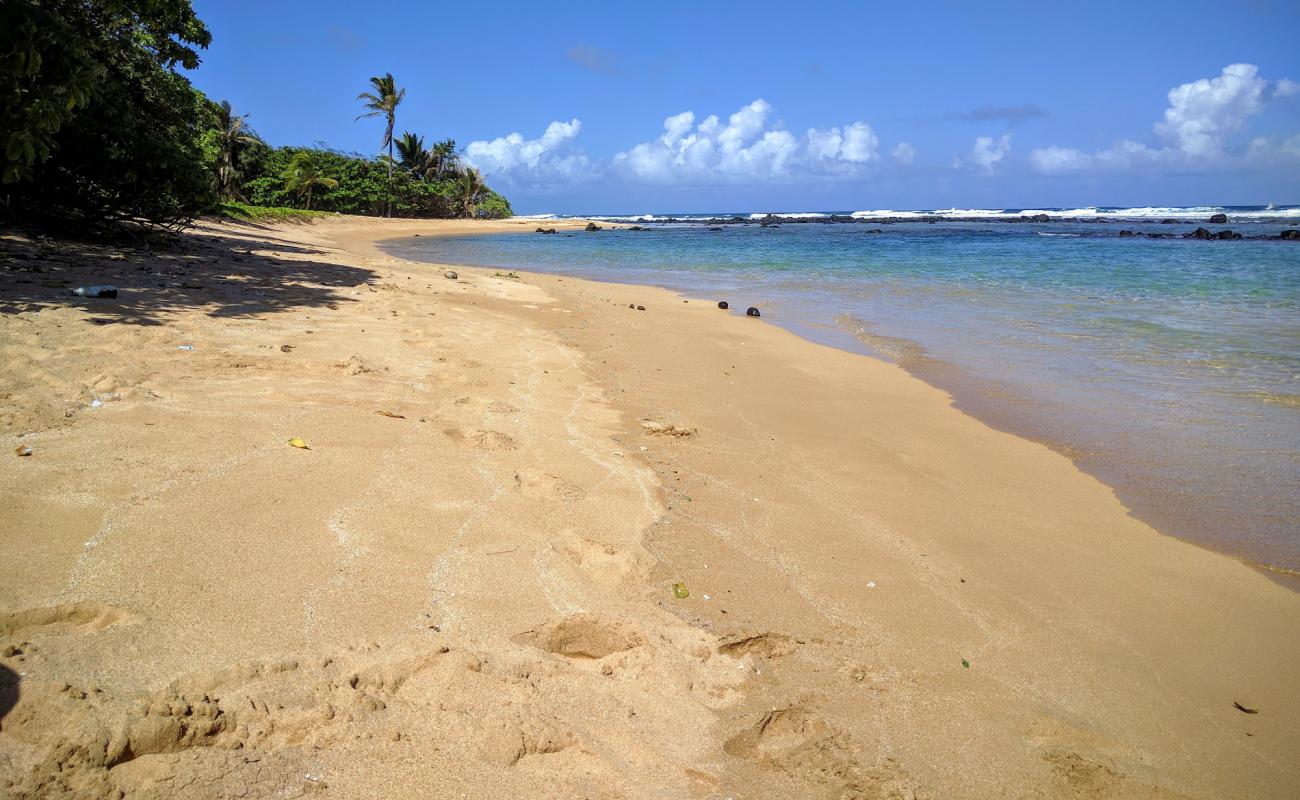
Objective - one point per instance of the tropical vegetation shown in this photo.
(99, 127)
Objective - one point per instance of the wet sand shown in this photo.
(465, 585)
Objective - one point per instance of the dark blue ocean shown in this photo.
(1168, 367)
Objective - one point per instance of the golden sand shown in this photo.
(463, 584)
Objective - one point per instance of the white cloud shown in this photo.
(1202, 114)
(985, 153)
(543, 157)
(745, 149)
(904, 153)
(1196, 127)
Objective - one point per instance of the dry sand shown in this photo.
(473, 597)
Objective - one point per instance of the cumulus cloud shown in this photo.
(904, 153)
(745, 148)
(1286, 88)
(1196, 129)
(545, 157)
(998, 113)
(1202, 114)
(985, 154)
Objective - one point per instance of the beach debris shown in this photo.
(286, 348)
(680, 591)
(752, 312)
(96, 403)
(965, 663)
(298, 443)
(451, 274)
(640, 308)
(591, 226)
(871, 584)
(390, 415)
(184, 347)
(1244, 709)
(722, 304)
(654, 428)
(22, 451)
(631, 305)
(95, 291)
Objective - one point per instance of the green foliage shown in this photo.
(95, 124)
(494, 206)
(98, 126)
(302, 176)
(245, 212)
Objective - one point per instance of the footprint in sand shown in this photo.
(68, 618)
(583, 636)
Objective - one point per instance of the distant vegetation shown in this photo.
(99, 127)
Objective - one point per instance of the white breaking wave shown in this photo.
(537, 216)
(796, 215)
(1137, 212)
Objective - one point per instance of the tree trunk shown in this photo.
(309, 198)
(388, 206)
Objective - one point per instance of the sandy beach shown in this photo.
(464, 584)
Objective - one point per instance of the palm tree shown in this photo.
(469, 190)
(302, 177)
(231, 135)
(444, 156)
(384, 101)
(412, 155)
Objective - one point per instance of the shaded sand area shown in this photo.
(465, 586)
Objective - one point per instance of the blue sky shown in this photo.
(842, 106)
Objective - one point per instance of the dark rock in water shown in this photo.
(591, 226)
(752, 312)
(640, 308)
(1160, 236)
(545, 230)
(1218, 219)
(768, 225)
(873, 230)
(715, 229)
(1125, 234)
(1168, 222)
(1039, 218)
(636, 228)
(723, 305)
(1199, 233)
(1227, 235)
(1291, 234)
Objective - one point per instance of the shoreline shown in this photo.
(886, 596)
(969, 392)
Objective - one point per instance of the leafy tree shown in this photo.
(494, 206)
(413, 157)
(231, 138)
(302, 177)
(470, 190)
(444, 157)
(95, 122)
(383, 101)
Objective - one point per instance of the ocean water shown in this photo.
(1169, 368)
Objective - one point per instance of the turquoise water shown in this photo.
(1169, 368)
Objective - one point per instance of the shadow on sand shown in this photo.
(9, 681)
(214, 272)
